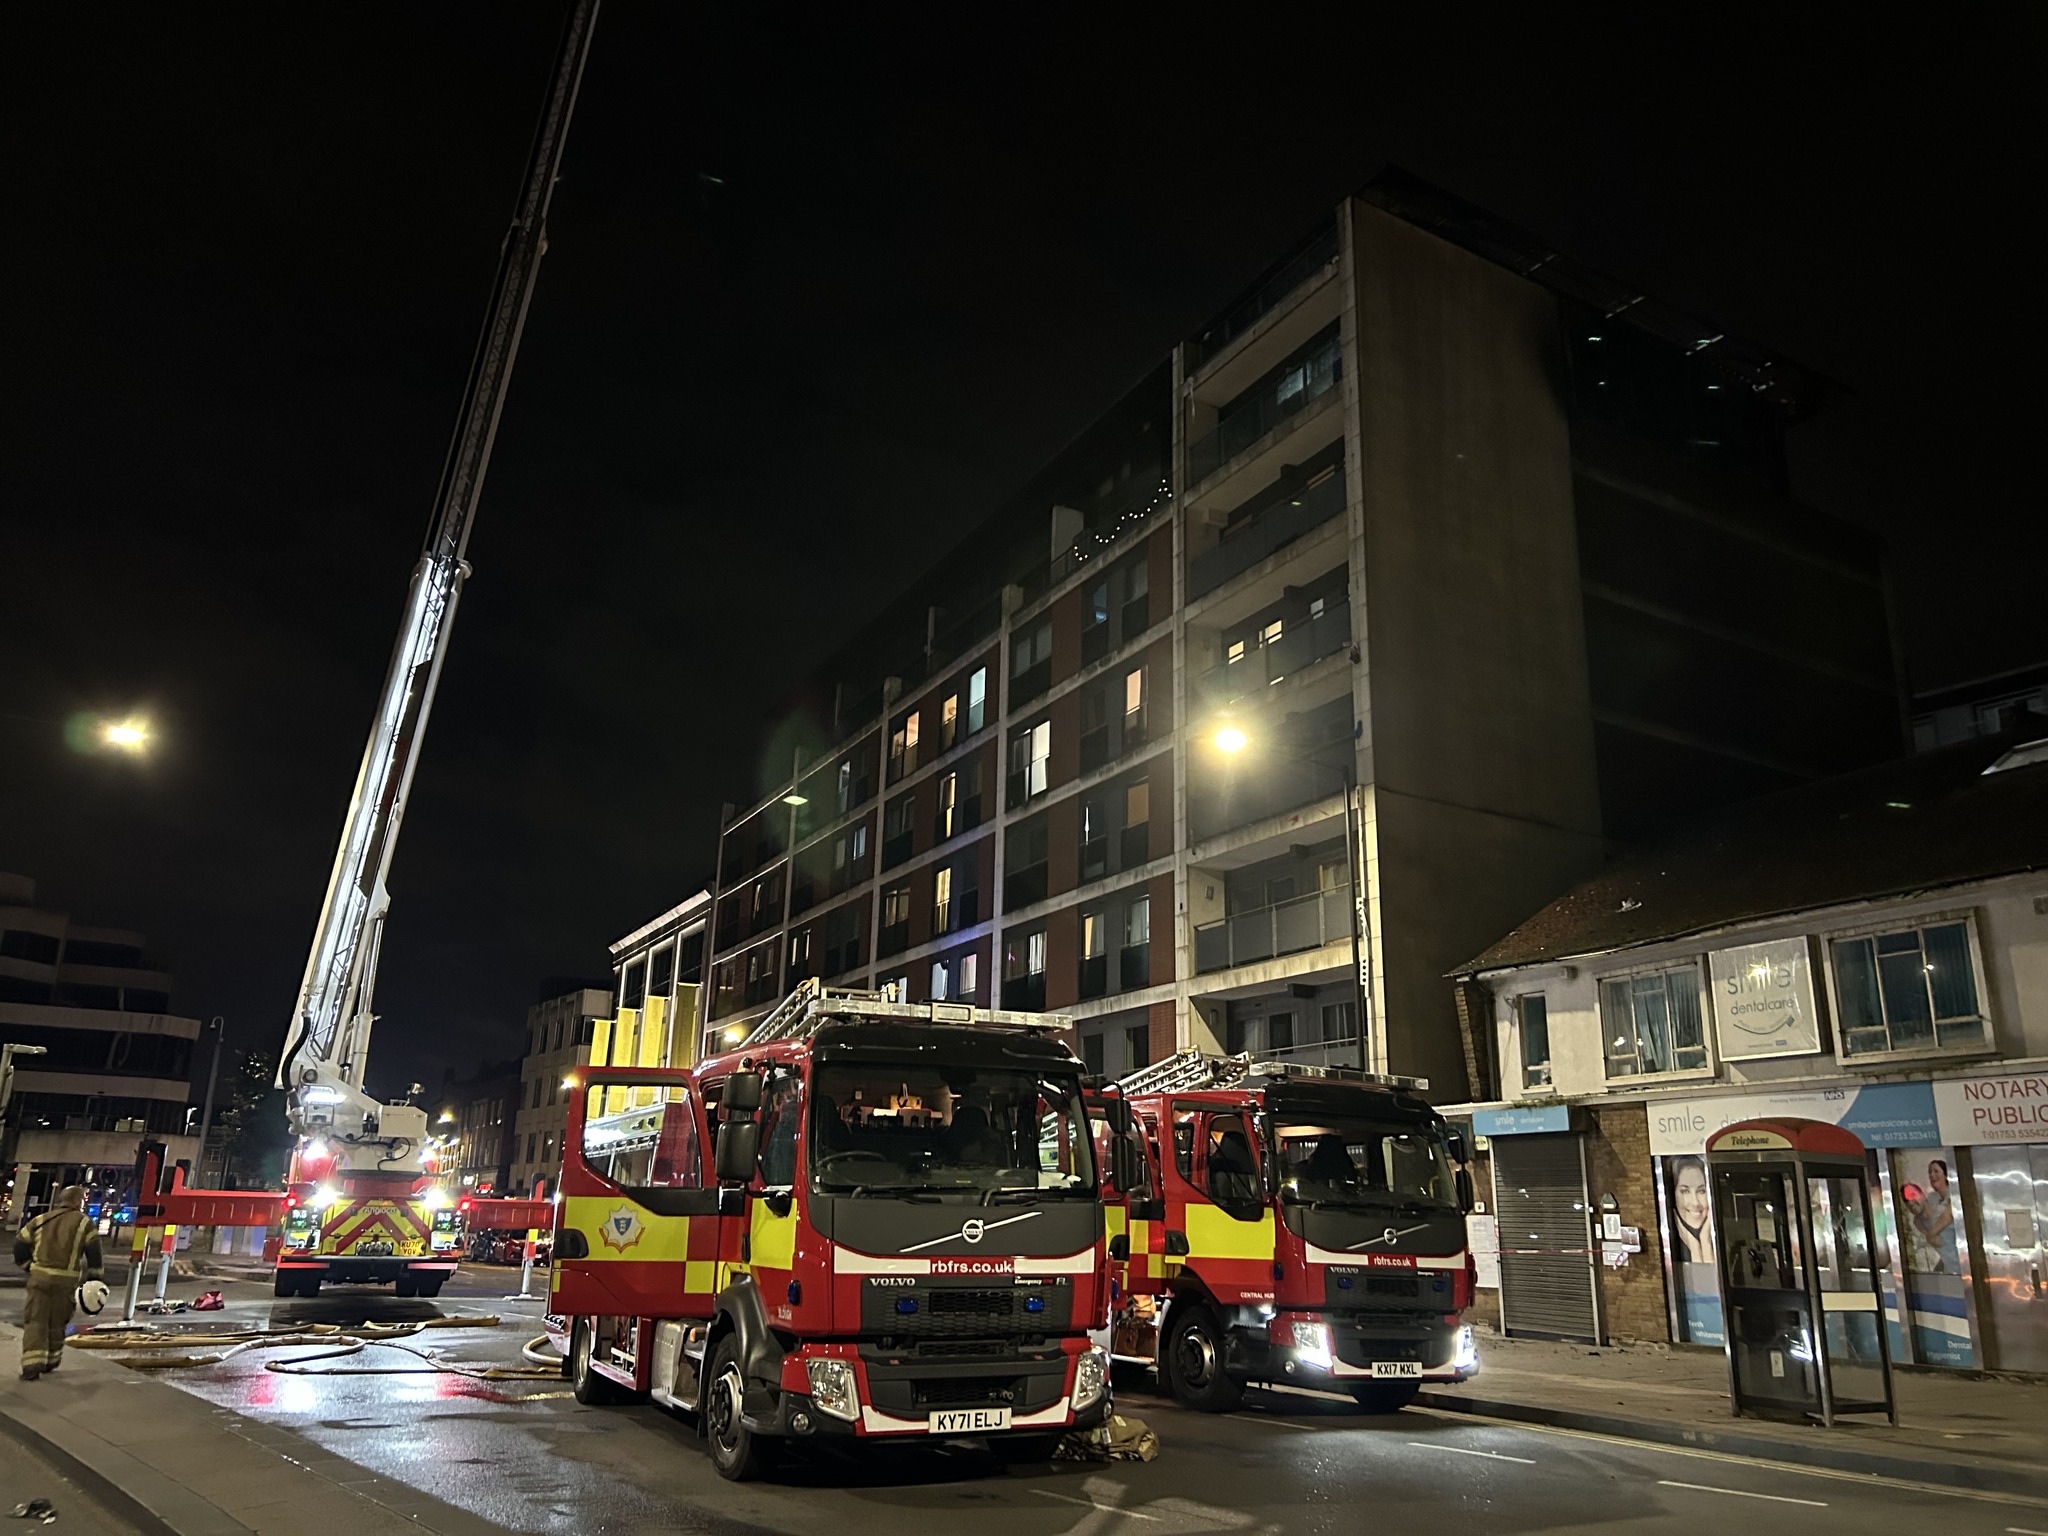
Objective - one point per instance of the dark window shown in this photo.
(661, 971)
(97, 952)
(1031, 662)
(1914, 989)
(1024, 877)
(633, 986)
(17, 944)
(1533, 1013)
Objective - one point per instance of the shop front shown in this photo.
(1960, 1168)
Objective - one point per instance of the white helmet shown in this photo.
(93, 1295)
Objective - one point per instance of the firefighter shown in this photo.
(59, 1249)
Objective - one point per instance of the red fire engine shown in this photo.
(877, 1219)
(1308, 1228)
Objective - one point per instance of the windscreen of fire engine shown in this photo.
(977, 1133)
(1359, 1162)
(642, 1137)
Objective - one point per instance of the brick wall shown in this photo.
(1632, 1299)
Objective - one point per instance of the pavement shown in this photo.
(1966, 1428)
(234, 1447)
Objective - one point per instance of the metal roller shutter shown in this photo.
(1547, 1277)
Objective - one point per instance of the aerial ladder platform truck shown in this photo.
(359, 1206)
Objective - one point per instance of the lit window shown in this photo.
(1233, 653)
(860, 842)
(845, 785)
(1034, 954)
(939, 981)
(1138, 922)
(1138, 803)
(977, 699)
(1271, 634)
(942, 900)
(1134, 697)
(1094, 935)
(949, 720)
(970, 975)
(949, 800)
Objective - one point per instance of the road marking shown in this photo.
(1742, 1493)
(1459, 1450)
(1868, 1479)
(2021, 1530)
(1107, 1509)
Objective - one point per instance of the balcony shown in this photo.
(1021, 887)
(1320, 1053)
(898, 848)
(1134, 967)
(842, 957)
(963, 911)
(1094, 976)
(1267, 933)
(1320, 251)
(1025, 993)
(893, 939)
(1304, 642)
(964, 817)
(1135, 845)
(1264, 534)
(1301, 385)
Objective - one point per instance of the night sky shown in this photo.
(821, 291)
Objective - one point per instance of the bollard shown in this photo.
(526, 1265)
(163, 1264)
(135, 1274)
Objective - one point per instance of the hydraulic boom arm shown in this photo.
(327, 1045)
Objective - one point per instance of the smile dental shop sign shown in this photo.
(1763, 1001)
(1881, 1114)
(1983, 1111)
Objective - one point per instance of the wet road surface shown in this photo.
(526, 1455)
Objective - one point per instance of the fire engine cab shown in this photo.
(874, 1220)
(1308, 1229)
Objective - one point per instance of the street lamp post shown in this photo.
(1230, 740)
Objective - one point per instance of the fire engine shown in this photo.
(1299, 1225)
(875, 1220)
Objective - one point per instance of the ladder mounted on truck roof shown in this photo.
(1194, 1071)
(798, 1016)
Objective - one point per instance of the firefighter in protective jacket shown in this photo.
(59, 1249)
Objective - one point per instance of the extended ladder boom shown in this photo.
(327, 1045)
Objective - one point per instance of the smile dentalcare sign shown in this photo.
(1983, 1111)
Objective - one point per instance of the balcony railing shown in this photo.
(1303, 643)
(898, 848)
(965, 817)
(1269, 531)
(1025, 993)
(1256, 305)
(1321, 1053)
(893, 939)
(1021, 887)
(1252, 421)
(842, 957)
(1266, 933)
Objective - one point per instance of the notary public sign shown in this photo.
(1983, 1111)
(1763, 1001)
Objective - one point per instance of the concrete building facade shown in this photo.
(1428, 511)
(117, 1061)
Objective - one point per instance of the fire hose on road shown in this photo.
(148, 1350)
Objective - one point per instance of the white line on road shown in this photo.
(1107, 1509)
(1459, 1450)
(2021, 1530)
(1741, 1493)
(1794, 1469)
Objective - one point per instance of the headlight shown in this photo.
(832, 1388)
(1091, 1377)
(1313, 1341)
(1467, 1356)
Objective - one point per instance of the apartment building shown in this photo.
(117, 1061)
(1432, 566)
(475, 1121)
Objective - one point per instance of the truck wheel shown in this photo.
(591, 1389)
(1384, 1396)
(309, 1283)
(405, 1285)
(736, 1451)
(1193, 1361)
(285, 1283)
(431, 1287)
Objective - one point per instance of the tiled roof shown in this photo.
(1921, 823)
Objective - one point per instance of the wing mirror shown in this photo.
(1465, 1200)
(742, 1094)
(1127, 1167)
(1120, 1247)
(738, 1148)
